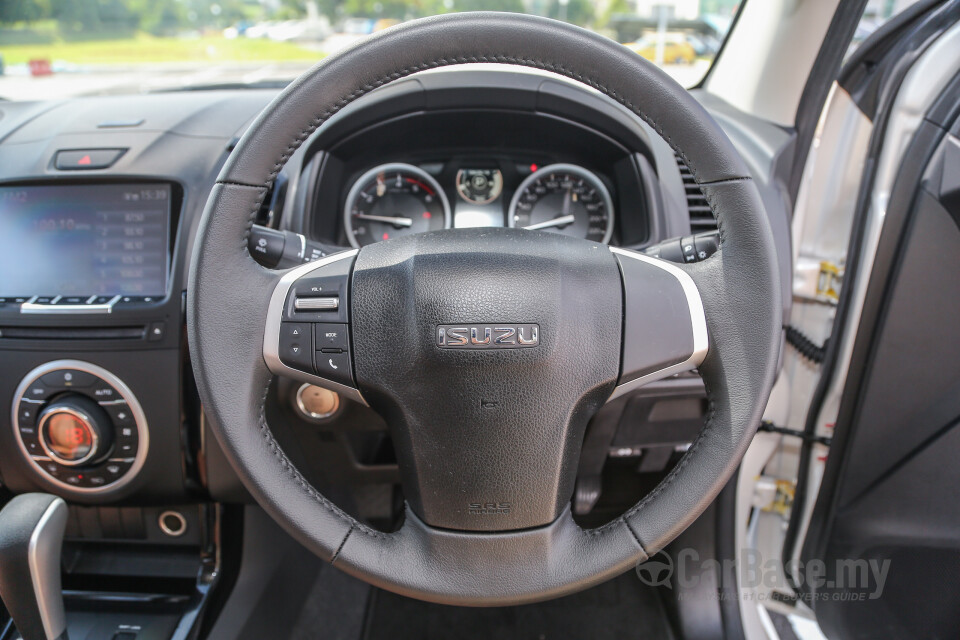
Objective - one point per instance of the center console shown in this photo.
(90, 332)
(98, 406)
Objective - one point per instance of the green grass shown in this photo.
(145, 49)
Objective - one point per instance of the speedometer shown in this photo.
(393, 200)
(564, 198)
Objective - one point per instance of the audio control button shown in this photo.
(296, 345)
(335, 366)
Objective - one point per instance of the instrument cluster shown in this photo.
(397, 198)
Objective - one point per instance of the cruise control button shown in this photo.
(68, 378)
(331, 336)
(296, 345)
(335, 367)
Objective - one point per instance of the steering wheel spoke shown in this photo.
(664, 324)
(307, 332)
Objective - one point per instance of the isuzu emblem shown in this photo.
(487, 336)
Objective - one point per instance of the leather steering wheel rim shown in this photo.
(228, 293)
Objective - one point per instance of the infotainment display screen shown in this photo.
(84, 239)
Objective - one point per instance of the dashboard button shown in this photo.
(156, 331)
(28, 435)
(103, 392)
(116, 468)
(296, 345)
(72, 299)
(120, 414)
(37, 391)
(27, 413)
(68, 379)
(126, 447)
(94, 479)
(331, 336)
(335, 367)
(52, 468)
(80, 159)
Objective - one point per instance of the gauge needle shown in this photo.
(556, 222)
(395, 220)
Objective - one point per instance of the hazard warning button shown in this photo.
(85, 159)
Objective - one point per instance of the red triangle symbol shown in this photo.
(84, 160)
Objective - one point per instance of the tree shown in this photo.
(23, 10)
(514, 6)
(579, 12)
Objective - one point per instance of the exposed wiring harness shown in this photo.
(807, 347)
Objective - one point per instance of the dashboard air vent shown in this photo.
(701, 217)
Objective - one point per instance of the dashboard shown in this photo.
(100, 199)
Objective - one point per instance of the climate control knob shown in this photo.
(74, 430)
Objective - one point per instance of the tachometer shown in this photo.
(393, 200)
(564, 198)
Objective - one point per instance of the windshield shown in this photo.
(61, 48)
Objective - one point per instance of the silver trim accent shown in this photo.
(173, 533)
(393, 166)
(569, 168)
(82, 417)
(139, 419)
(271, 332)
(698, 323)
(43, 557)
(330, 303)
(31, 307)
(310, 414)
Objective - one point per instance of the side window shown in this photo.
(875, 14)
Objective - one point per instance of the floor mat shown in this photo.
(621, 608)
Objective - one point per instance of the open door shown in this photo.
(879, 541)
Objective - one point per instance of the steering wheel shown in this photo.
(487, 351)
